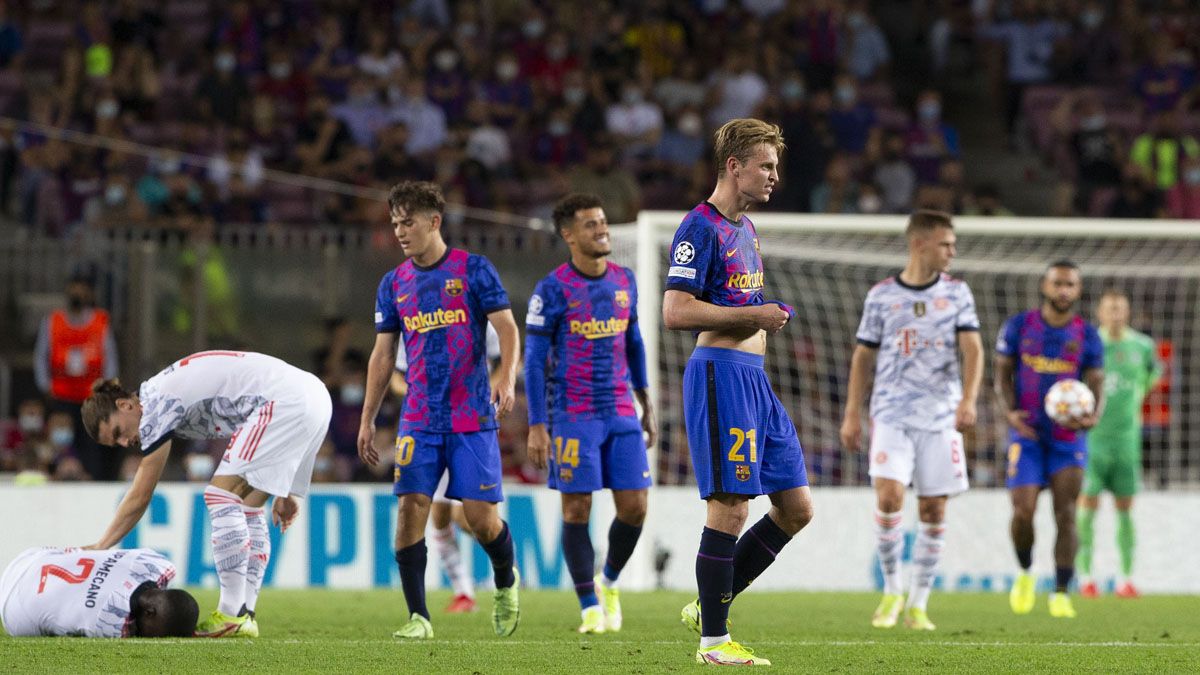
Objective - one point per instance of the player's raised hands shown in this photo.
(538, 445)
(851, 432)
(1017, 420)
(770, 317)
(965, 415)
(284, 511)
(504, 395)
(366, 444)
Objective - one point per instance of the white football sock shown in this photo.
(706, 642)
(260, 553)
(927, 551)
(445, 543)
(231, 547)
(890, 548)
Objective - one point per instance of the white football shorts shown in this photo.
(275, 448)
(932, 461)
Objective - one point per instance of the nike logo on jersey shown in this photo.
(574, 303)
(403, 297)
(731, 252)
(489, 486)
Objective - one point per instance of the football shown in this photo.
(1068, 399)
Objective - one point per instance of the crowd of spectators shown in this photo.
(510, 104)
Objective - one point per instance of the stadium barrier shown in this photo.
(343, 538)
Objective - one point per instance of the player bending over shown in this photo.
(114, 594)
(743, 444)
(583, 319)
(275, 417)
(1115, 443)
(1035, 349)
(440, 299)
(913, 326)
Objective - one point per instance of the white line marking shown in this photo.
(601, 642)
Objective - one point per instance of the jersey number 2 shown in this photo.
(85, 568)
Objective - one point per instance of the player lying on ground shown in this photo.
(118, 593)
(1034, 350)
(582, 323)
(439, 300)
(912, 328)
(743, 444)
(275, 417)
(1115, 444)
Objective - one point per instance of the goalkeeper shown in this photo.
(1115, 444)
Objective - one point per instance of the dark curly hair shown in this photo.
(565, 209)
(416, 197)
(101, 404)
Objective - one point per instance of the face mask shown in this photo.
(114, 194)
(322, 465)
(846, 94)
(1091, 19)
(631, 96)
(574, 95)
(870, 204)
(558, 128)
(280, 71)
(107, 109)
(468, 31)
(930, 111)
(856, 20)
(1092, 123)
(353, 394)
(62, 437)
(507, 70)
(225, 62)
(792, 90)
(31, 423)
(200, 464)
(446, 60)
(533, 28)
(690, 125)
(556, 52)
(1192, 176)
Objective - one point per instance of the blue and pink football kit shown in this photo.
(1042, 355)
(583, 340)
(741, 438)
(448, 421)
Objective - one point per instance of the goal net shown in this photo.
(824, 265)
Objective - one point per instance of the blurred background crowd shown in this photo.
(195, 115)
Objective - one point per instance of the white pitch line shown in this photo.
(602, 642)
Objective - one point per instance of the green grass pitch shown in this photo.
(350, 632)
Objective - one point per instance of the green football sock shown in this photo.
(1125, 541)
(1083, 559)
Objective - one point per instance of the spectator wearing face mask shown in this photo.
(1183, 200)
(30, 426)
(60, 452)
(853, 121)
(75, 347)
(509, 95)
(864, 49)
(930, 141)
(635, 123)
(683, 144)
(895, 176)
(1094, 149)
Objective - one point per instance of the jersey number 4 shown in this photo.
(85, 568)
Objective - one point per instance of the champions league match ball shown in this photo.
(1068, 399)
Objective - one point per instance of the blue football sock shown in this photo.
(755, 552)
(714, 580)
(500, 551)
(581, 561)
(622, 538)
(411, 561)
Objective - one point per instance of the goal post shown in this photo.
(823, 265)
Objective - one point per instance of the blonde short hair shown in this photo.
(738, 138)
